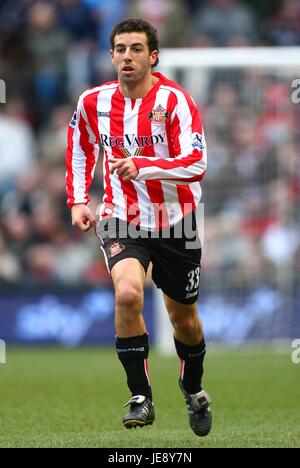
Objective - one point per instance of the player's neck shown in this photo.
(140, 89)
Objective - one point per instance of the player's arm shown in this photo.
(81, 158)
(187, 133)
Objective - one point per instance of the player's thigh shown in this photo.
(127, 260)
(128, 269)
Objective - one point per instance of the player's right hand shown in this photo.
(82, 218)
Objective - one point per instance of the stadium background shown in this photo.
(51, 276)
(54, 287)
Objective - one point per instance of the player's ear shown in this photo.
(153, 57)
(112, 55)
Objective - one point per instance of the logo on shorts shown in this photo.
(189, 295)
(116, 249)
(159, 115)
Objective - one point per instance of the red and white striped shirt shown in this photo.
(162, 133)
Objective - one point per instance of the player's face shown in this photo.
(131, 57)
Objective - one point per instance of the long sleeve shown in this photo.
(81, 157)
(190, 161)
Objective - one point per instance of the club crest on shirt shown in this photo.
(159, 114)
(115, 249)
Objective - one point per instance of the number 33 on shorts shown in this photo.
(194, 280)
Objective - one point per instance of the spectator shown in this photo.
(10, 271)
(107, 13)
(224, 21)
(17, 145)
(76, 18)
(169, 17)
(281, 241)
(13, 16)
(49, 45)
(52, 139)
(82, 24)
(283, 27)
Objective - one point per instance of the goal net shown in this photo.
(249, 104)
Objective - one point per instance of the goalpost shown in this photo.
(251, 190)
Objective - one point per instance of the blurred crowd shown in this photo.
(252, 187)
(50, 51)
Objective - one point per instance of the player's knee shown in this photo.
(185, 324)
(129, 297)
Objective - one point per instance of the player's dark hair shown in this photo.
(129, 25)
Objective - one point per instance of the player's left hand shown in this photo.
(124, 168)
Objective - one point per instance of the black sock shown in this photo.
(191, 370)
(133, 354)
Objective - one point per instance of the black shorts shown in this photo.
(174, 253)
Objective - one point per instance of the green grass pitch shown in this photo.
(65, 398)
